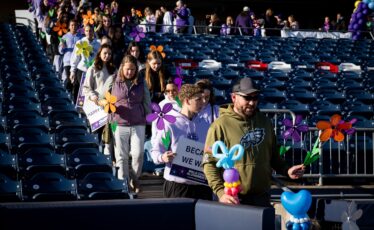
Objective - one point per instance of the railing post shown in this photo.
(320, 179)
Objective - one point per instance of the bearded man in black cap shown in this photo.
(242, 123)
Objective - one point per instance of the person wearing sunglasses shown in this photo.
(242, 123)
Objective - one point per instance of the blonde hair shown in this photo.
(187, 91)
(129, 59)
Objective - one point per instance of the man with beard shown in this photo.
(242, 123)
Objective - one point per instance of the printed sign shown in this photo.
(96, 115)
(80, 98)
(187, 162)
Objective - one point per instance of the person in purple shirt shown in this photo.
(243, 20)
(181, 17)
(132, 106)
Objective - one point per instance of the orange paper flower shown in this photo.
(159, 49)
(60, 28)
(333, 128)
(88, 18)
(108, 103)
(139, 13)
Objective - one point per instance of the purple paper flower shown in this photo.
(137, 33)
(161, 115)
(178, 79)
(294, 130)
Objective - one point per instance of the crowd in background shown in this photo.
(86, 42)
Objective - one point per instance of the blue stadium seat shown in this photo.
(274, 83)
(221, 96)
(253, 74)
(362, 122)
(100, 185)
(267, 105)
(69, 139)
(222, 83)
(18, 121)
(8, 161)
(273, 95)
(331, 95)
(203, 73)
(322, 84)
(49, 186)
(40, 159)
(85, 160)
(51, 106)
(297, 107)
(325, 108)
(18, 105)
(299, 83)
(68, 119)
(230, 73)
(48, 92)
(10, 189)
(312, 121)
(29, 137)
(358, 108)
(278, 74)
(302, 74)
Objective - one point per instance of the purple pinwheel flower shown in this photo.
(102, 5)
(160, 115)
(294, 130)
(351, 130)
(137, 33)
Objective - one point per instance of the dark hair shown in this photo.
(170, 81)
(154, 54)
(141, 54)
(206, 84)
(99, 64)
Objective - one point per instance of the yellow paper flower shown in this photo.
(84, 48)
(60, 28)
(88, 18)
(159, 49)
(108, 103)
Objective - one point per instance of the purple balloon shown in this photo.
(365, 6)
(360, 22)
(365, 12)
(355, 26)
(359, 7)
(359, 15)
(231, 175)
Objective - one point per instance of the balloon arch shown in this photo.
(359, 17)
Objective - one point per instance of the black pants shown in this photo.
(262, 200)
(176, 190)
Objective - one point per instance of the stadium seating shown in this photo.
(42, 132)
